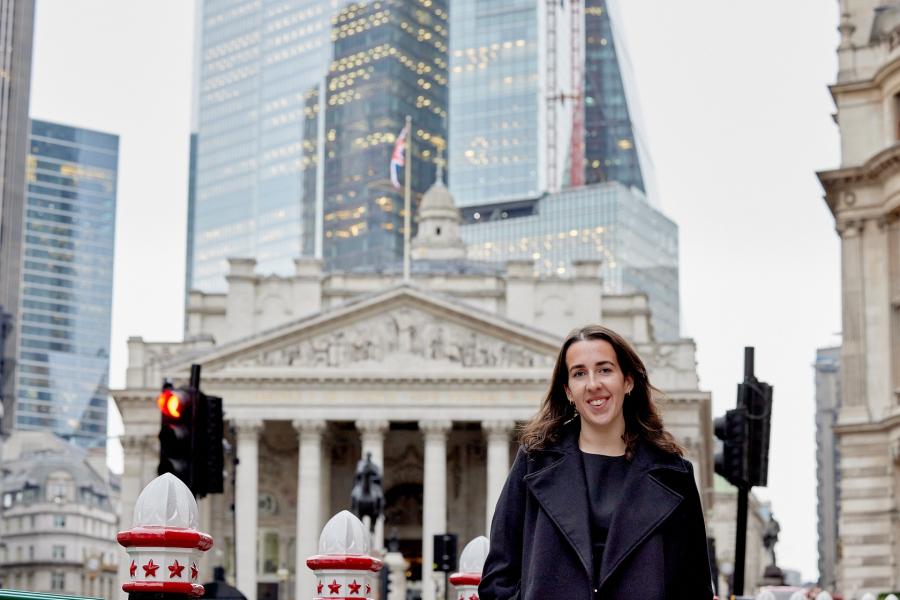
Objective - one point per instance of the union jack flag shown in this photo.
(398, 158)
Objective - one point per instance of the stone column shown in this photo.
(372, 441)
(434, 502)
(497, 433)
(246, 503)
(309, 501)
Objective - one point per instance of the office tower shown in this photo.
(828, 473)
(534, 86)
(638, 245)
(389, 60)
(67, 275)
(16, 30)
(614, 149)
(298, 106)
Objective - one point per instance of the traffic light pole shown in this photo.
(740, 541)
(740, 537)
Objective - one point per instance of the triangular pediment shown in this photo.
(401, 330)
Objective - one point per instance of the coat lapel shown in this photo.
(561, 491)
(644, 506)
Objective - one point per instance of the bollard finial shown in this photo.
(164, 545)
(471, 563)
(345, 534)
(343, 567)
(166, 502)
(473, 555)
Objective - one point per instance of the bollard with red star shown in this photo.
(343, 568)
(164, 545)
(471, 563)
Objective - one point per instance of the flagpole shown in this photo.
(407, 192)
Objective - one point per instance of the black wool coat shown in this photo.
(540, 537)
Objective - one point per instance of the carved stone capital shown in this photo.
(498, 428)
(308, 428)
(373, 426)
(435, 429)
(850, 227)
(887, 220)
(248, 428)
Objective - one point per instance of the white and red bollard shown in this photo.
(344, 570)
(471, 563)
(164, 545)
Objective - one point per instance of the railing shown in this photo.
(17, 595)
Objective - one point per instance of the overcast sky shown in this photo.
(738, 119)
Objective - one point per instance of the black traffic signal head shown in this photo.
(209, 458)
(757, 399)
(731, 462)
(176, 407)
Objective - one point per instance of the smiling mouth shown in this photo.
(598, 402)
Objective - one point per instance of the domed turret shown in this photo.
(438, 236)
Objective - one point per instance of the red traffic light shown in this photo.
(171, 403)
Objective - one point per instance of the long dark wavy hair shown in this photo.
(642, 419)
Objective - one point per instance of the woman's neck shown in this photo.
(609, 443)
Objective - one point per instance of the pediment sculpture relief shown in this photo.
(404, 337)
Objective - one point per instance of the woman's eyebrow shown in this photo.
(597, 364)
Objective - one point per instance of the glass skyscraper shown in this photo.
(389, 60)
(496, 101)
(614, 149)
(637, 244)
(16, 32)
(511, 76)
(299, 103)
(67, 274)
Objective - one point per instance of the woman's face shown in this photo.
(597, 386)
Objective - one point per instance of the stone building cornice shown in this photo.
(884, 425)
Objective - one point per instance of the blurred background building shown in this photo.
(637, 244)
(59, 508)
(16, 31)
(67, 278)
(861, 194)
(828, 459)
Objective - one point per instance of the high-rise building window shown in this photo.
(59, 552)
(59, 521)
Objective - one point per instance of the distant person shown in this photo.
(599, 503)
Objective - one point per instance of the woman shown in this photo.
(599, 503)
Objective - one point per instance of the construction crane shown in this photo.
(557, 96)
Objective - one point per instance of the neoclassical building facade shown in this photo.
(431, 375)
(864, 196)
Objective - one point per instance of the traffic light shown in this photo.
(209, 458)
(445, 552)
(176, 432)
(757, 399)
(190, 436)
(731, 462)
